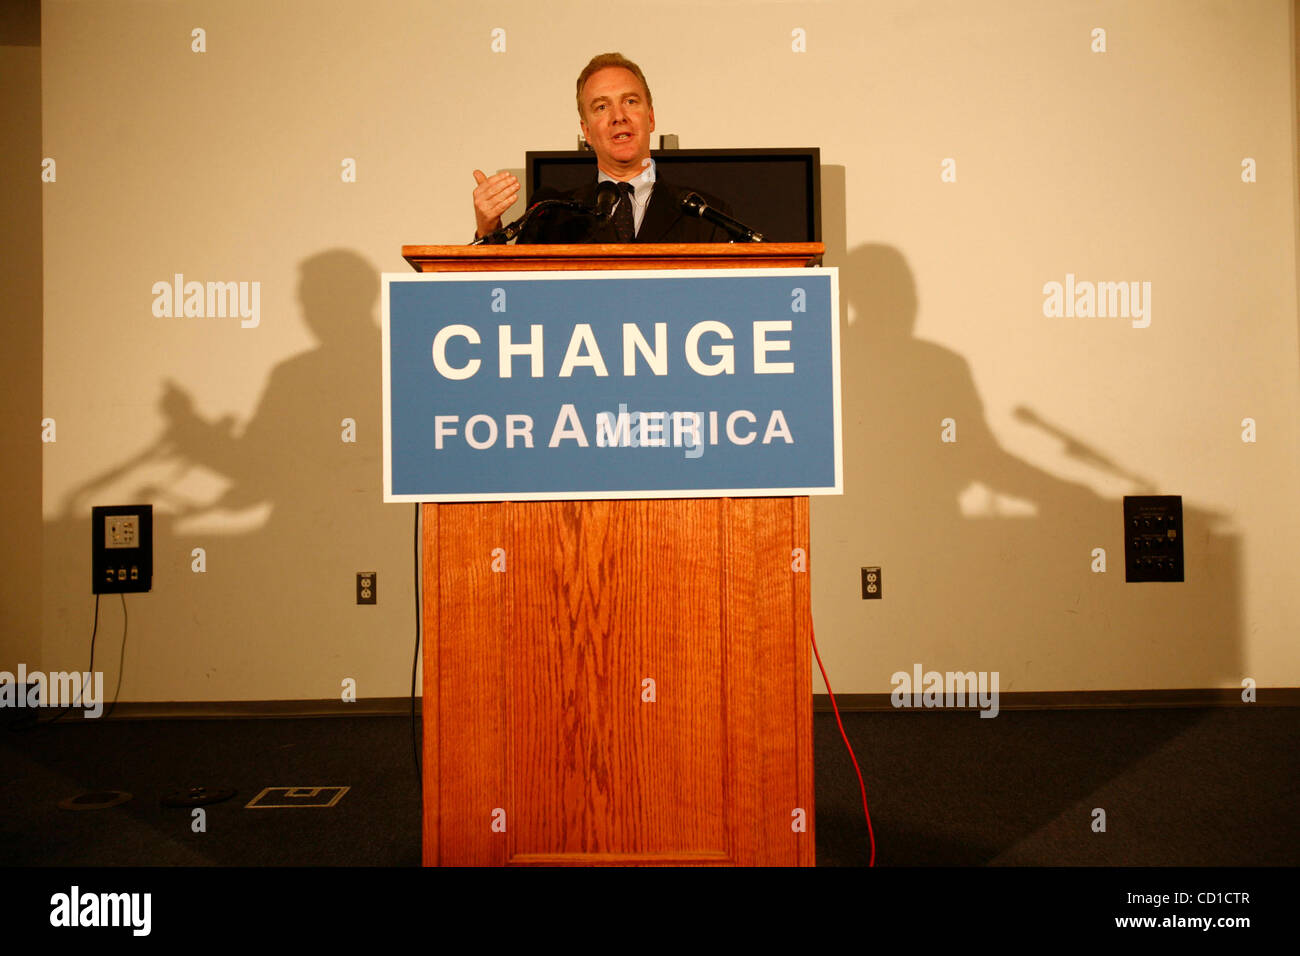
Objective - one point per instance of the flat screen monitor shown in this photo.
(774, 191)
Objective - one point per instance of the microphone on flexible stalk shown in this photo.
(694, 204)
(507, 233)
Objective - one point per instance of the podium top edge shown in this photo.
(432, 258)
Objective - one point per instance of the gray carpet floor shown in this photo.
(1214, 787)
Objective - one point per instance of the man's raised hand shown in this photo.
(492, 196)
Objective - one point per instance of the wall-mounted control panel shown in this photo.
(121, 549)
(1153, 538)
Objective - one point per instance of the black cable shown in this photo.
(94, 631)
(121, 660)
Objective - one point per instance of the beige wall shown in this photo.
(1117, 166)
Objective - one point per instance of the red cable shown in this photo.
(870, 832)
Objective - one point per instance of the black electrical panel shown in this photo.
(1153, 538)
(121, 549)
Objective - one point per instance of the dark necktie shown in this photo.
(624, 225)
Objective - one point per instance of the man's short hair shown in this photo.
(611, 59)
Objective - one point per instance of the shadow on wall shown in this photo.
(1018, 553)
(299, 504)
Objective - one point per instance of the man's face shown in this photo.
(617, 121)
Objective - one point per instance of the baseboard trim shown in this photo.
(248, 709)
(1086, 700)
(848, 703)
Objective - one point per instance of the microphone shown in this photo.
(606, 200)
(507, 233)
(694, 204)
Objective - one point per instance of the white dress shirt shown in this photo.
(642, 186)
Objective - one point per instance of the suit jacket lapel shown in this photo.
(660, 214)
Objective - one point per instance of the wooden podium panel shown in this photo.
(533, 705)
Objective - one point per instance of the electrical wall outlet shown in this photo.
(366, 581)
(121, 549)
(870, 584)
(1153, 538)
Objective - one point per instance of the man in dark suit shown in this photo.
(616, 114)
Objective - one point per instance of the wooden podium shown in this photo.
(542, 744)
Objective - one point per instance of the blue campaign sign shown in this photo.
(658, 384)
